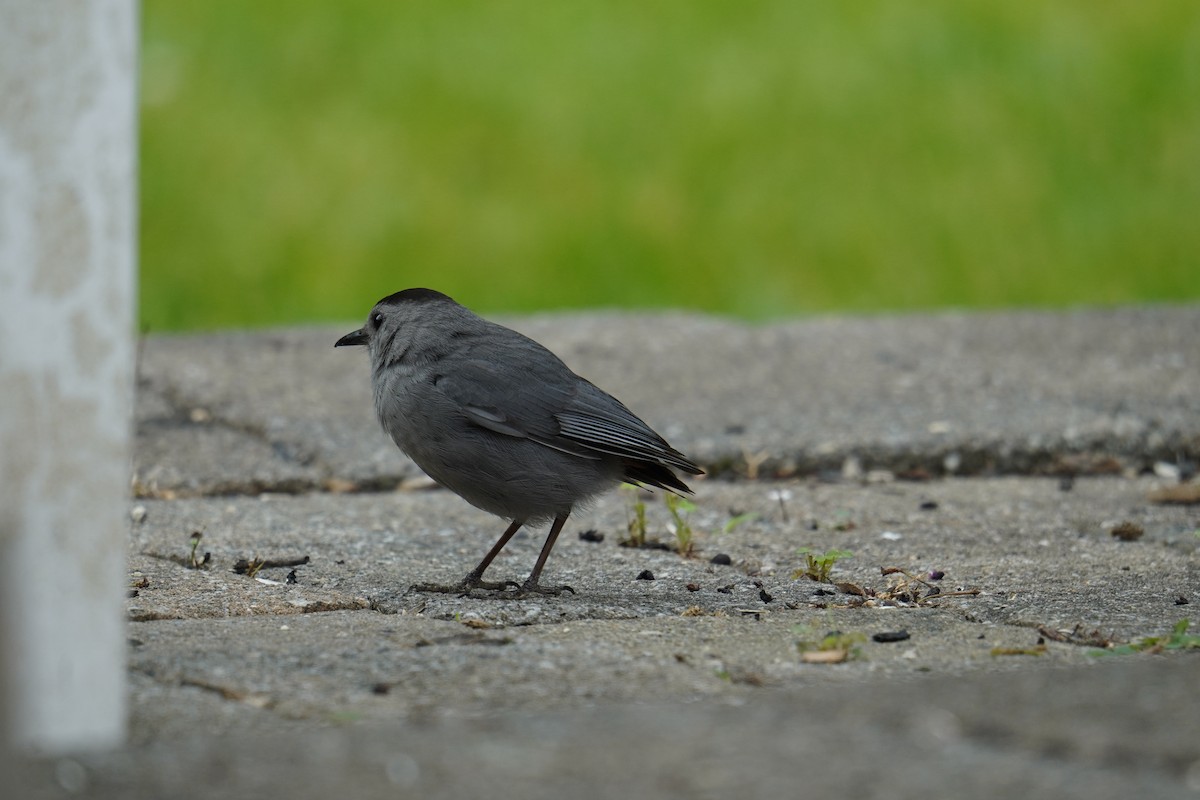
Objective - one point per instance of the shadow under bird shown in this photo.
(501, 421)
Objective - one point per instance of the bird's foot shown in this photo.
(466, 586)
(532, 587)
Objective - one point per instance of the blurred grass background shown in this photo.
(302, 159)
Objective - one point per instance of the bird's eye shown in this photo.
(376, 319)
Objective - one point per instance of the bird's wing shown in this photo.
(601, 422)
(517, 403)
(550, 405)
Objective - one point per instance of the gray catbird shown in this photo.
(501, 421)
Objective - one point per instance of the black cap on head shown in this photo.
(414, 296)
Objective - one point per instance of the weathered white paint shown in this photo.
(67, 254)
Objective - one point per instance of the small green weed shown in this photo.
(681, 509)
(1177, 639)
(636, 524)
(194, 560)
(817, 566)
(740, 519)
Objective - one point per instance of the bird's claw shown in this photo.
(469, 584)
(528, 588)
(466, 586)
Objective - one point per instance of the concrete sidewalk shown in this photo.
(988, 457)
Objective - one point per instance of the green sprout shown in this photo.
(637, 523)
(817, 566)
(193, 560)
(738, 520)
(1178, 639)
(680, 509)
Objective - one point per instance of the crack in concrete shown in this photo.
(1063, 456)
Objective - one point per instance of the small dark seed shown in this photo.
(1181, 601)
(929, 505)
(936, 575)
(591, 535)
(764, 596)
(722, 559)
(693, 587)
(291, 577)
(890, 636)
(380, 688)
(645, 575)
(725, 589)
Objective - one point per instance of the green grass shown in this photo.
(1177, 639)
(302, 159)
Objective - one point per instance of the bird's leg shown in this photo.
(531, 585)
(474, 578)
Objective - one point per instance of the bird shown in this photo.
(501, 421)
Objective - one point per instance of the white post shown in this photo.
(67, 262)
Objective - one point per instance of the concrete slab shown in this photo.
(1013, 392)
(327, 674)
(1036, 554)
(1112, 730)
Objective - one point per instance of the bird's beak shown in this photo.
(358, 337)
